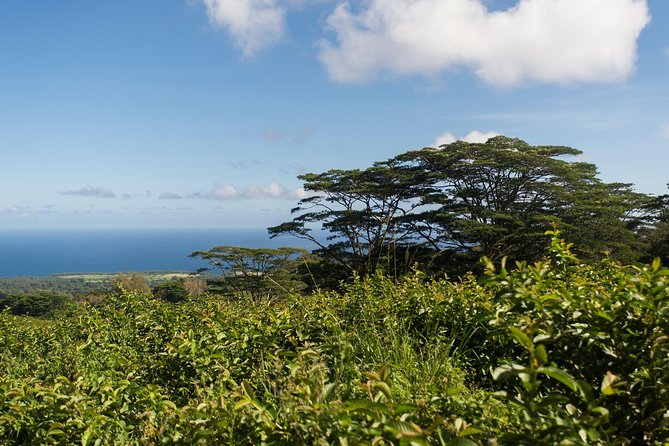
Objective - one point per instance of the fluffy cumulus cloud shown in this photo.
(253, 24)
(273, 190)
(91, 191)
(475, 136)
(222, 192)
(551, 41)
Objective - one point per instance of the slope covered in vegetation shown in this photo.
(546, 353)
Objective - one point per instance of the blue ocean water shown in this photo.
(47, 252)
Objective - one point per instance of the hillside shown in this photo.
(549, 353)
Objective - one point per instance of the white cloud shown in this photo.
(90, 191)
(18, 211)
(664, 130)
(552, 41)
(273, 190)
(445, 138)
(10, 211)
(253, 24)
(475, 136)
(300, 194)
(169, 196)
(223, 192)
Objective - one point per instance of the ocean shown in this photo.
(48, 252)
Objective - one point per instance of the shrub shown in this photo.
(129, 283)
(171, 292)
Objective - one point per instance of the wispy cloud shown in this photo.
(545, 41)
(288, 169)
(130, 196)
(90, 191)
(475, 136)
(297, 136)
(253, 24)
(10, 211)
(272, 135)
(302, 135)
(169, 196)
(664, 130)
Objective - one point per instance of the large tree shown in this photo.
(366, 215)
(494, 198)
(450, 205)
(656, 234)
(499, 197)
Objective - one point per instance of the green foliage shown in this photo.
(257, 273)
(72, 286)
(38, 304)
(445, 207)
(604, 326)
(554, 352)
(656, 234)
(173, 291)
(130, 283)
(364, 211)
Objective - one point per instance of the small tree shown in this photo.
(260, 273)
(195, 285)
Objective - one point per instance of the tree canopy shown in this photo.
(260, 273)
(453, 204)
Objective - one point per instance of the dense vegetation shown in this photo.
(557, 352)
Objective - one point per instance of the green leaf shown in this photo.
(248, 390)
(469, 431)
(506, 370)
(521, 337)
(585, 391)
(356, 405)
(460, 441)
(559, 375)
(540, 352)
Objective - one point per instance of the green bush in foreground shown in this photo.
(557, 352)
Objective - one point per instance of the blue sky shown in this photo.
(201, 113)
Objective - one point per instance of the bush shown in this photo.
(171, 291)
(129, 283)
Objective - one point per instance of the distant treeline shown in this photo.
(55, 296)
(74, 286)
